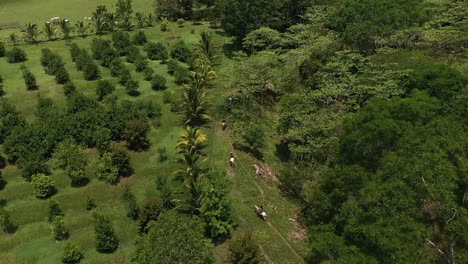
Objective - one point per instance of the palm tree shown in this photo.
(31, 31)
(82, 28)
(13, 38)
(207, 45)
(195, 103)
(111, 21)
(100, 24)
(66, 28)
(140, 18)
(49, 31)
(126, 22)
(192, 142)
(203, 73)
(150, 20)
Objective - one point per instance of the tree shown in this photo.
(29, 80)
(156, 51)
(58, 228)
(32, 32)
(2, 49)
(150, 211)
(136, 134)
(121, 160)
(195, 104)
(140, 38)
(62, 76)
(158, 82)
(104, 87)
(116, 67)
(49, 31)
(65, 26)
(244, 249)
(69, 89)
(73, 160)
(141, 20)
(43, 185)
(121, 41)
(141, 64)
(2, 91)
(2, 182)
(16, 55)
(255, 137)
(182, 75)
(106, 170)
(148, 74)
(180, 51)
(54, 210)
(207, 45)
(82, 28)
(91, 71)
(71, 254)
(133, 211)
(261, 39)
(123, 8)
(5, 222)
(106, 240)
(172, 9)
(74, 51)
(172, 238)
(131, 87)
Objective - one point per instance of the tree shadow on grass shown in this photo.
(81, 183)
(244, 148)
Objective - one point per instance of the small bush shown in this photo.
(181, 52)
(121, 160)
(46, 56)
(255, 137)
(104, 87)
(180, 22)
(133, 54)
(71, 254)
(131, 87)
(162, 154)
(148, 74)
(106, 240)
(16, 55)
(158, 82)
(43, 185)
(54, 210)
(54, 64)
(121, 41)
(2, 49)
(172, 65)
(150, 211)
(90, 203)
(182, 76)
(82, 59)
(29, 80)
(156, 51)
(139, 38)
(62, 76)
(167, 97)
(99, 46)
(136, 134)
(69, 89)
(5, 221)
(124, 76)
(2, 182)
(141, 64)
(116, 67)
(91, 71)
(164, 25)
(74, 51)
(132, 206)
(106, 171)
(58, 228)
(2, 92)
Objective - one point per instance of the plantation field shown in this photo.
(281, 240)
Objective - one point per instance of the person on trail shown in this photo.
(229, 104)
(231, 160)
(223, 124)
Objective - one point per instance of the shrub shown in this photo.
(2, 182)
(148, 74)
(156, 51)
(116, 67)
(254, 137)
(244, 249)
(131, 87)
(90, 203)
(164, 25)
(91, 71)
(62, 76)
(16, 55)
(43, 185)
(58, 228)
(139, 38)
(131, 202)
(29, 80)
(121, 41)
(107, 56)
(99, 46)
(121, 160)
(181, 52)
(32, 165)
(132, 54)
(124, 76)
(54, 210)
(54, 64)
(82, 59)
(180, 22)
(2, 49)
(135, 133)
(140, 64)
(71, 254)
(5, 222)
(106, 241)
(106, 171)
(104, 87)
(74, 51)
(2, 92)
(182, 75)
(158, 82)
(172, 65)
(162, 154)
(69, 88)
(150, 211)
(46, 56)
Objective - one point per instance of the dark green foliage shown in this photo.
(90, 203)
(121, 41)
(72, 159)
(106, 170)
(5, 221)
(104, 87)
(361, 22)
(29, 80)
(116, 67)
(131, 87)
(58, 228)
(121, 160)
(148, 74)
(133, 54)
(2, 92)
(140, 64)
(158, 82)
(99, 46)
(69, 89)
(46, 56)
(254, 137)
(174, 236)
(124, 76)
(165, 192)
(91, 71)
(62, 76)
(244, 249)
(162, 154)
(106, 240)
(53, 62)
(43, 185)
(2, 182)
(156, 51)
(16, 55)
(150, 211)
(82, 59)
(74, 52)
(182, 75)
(139, 38)
(136, 133)
(71, 254)
(28, 164)
(181, 52)
(2, 49)
(129, 198)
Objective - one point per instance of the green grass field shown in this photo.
(33, 242)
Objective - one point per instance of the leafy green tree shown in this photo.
(121, 160)
(182, 75)
(156, 51)
(52, 62)
(261, 39)
(72, 159)
(5, 222)
(2, 49)
(207, 45)
(158, 82)
(123, 8)
(174, 237)
(129, 198)
(49, 31)
(91, 71)
(98, 47)
(136, 134)
(131, 87)
(139, 38)
(69, 89)
(172, 9)
(106, 240)
(180, 51)
(82, 59)
(133, 54)
(244, 249)
(104, 87)
(148, 74)
(121, 41)
(43, 185)
(31, 31)
(106, 170)
(195, 105)
(62, 76)
(124, 76)
(116, 67)
(255, 137)
(16, 55)
(141, 64)
(82, 28)
(165, 192)
(71, 254)
(2, 182)
(58, 228)
(150, 211)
